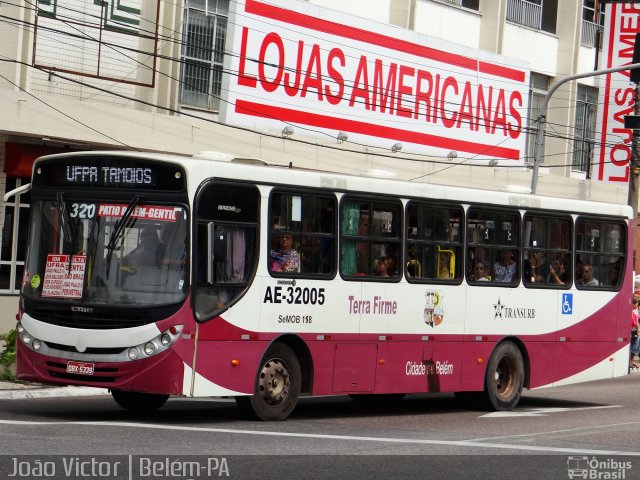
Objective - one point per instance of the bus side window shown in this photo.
(600, 253)
(310, 223)
(493, 242)
(547, 251)
(371, 238)
(434, 243)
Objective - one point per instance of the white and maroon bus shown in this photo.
(267, 283)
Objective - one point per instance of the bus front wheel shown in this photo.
(277, 386)
(139, 402)
(505, 378)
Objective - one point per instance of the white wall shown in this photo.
(377, 10)
(447, 22)
(539, 49)
(586, 62)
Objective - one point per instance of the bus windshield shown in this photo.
(108, 253)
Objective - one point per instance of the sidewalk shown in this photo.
(17, 390)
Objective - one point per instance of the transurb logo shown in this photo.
(504, 312)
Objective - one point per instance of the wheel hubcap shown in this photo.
(505, 378)
(274, 382)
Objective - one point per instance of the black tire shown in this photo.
(277, 386)
(139, 402)
(504, 378)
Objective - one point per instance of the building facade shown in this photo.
(81, 75)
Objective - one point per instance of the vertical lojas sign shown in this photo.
(617, 95)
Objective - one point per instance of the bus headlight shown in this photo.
(149, 348)
(27, 339)
(156, 345)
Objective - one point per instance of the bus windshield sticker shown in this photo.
(60, 281)
(143, 212)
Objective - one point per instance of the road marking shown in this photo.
(414, 441)
(565, 431)
(542, 412)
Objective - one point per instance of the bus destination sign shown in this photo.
(109, 172)
(109, 176)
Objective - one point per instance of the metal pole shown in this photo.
(542, 118)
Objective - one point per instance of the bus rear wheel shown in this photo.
(504, 378)
(277, 387)
(139, 402)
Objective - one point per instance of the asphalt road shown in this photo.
(590, 429)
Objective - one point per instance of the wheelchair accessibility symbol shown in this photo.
(567, 303)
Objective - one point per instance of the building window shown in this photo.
(205, 30)
(591, 26)
(470, 4)
(15, 230)
(585, 126)
(538, 88)
(536, 14)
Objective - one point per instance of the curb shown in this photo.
(50, 392)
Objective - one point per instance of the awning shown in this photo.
(20, 157)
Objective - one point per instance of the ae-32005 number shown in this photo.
(294, 295)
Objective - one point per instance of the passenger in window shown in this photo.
(578, 271)
(588, 280)
(480, 273)
(148, 252)
(504, 271)
(557, 273)
(381, 267)
(392, 266)
(284, 258)
(537, 269)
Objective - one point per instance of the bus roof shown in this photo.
(220, 164)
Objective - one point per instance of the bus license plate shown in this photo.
(80, 368)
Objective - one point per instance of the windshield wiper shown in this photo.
(119, 228)
(65, 217)
(73, 245)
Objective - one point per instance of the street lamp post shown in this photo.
(542, 118)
